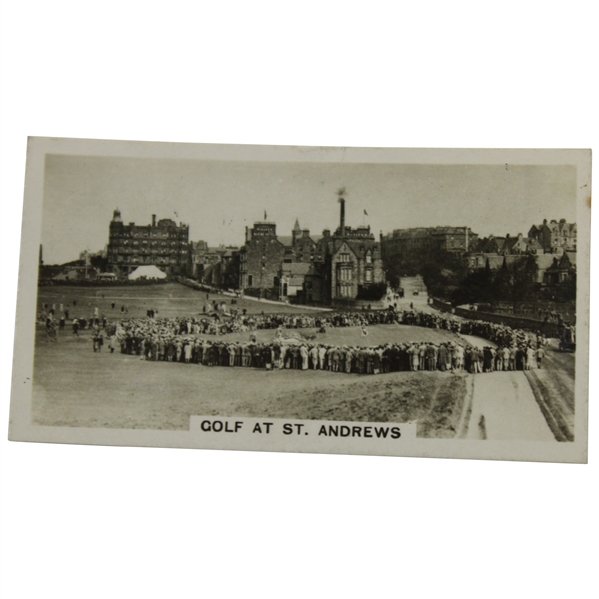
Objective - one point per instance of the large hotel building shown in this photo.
(163, 244)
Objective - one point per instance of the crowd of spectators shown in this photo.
(198, 340)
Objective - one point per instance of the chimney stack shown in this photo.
(153, 220)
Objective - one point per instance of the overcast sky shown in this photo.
(218, 199)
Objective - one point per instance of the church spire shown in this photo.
(297, 231)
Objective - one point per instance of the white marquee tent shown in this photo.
(148, 272)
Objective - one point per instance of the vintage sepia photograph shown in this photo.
(343, 300)
(302, 297)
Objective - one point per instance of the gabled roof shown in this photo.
(296, 268)
(553, 225)
(357, 244)
(492, 244)
(342, 245)
(510, 242)
(286, 240)
(564, 262)
(533, 244)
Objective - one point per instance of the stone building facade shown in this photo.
(163, 244)
(303, 245)
(309, 268)
(353, 260)
(260, 259)
(425, 239)
(214, 265)
(555, 235)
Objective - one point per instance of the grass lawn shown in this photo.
(170, 299)
(75, 387)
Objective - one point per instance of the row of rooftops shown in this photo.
(553, 225)
(541, 261)
(163, 223)
(414, 232)
(268, 228)
(508, 243)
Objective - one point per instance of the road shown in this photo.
(536, 405)
(504, 406)
(418, 302)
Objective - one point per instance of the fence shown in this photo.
(536, 310)
(549, 329)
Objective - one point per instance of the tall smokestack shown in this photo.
(342, 216)
(153, 220)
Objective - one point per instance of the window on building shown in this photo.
(344, 257)
(250, 281)
(345, 274)
(368, 258)
(369, 276)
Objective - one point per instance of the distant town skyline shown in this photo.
(218, 199)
